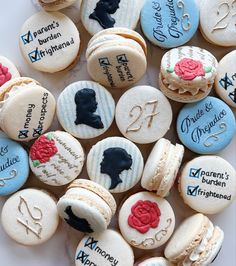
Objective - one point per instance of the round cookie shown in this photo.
(169, 24)
(97, 15)
(99, 251)
(56, 158)
(26, 109)
(30, 217)
(116, 59)
(208, 184)
(143, 114)
(155, 261)
(225, 82)
(14, 166)
(50, 42)
(8, 70)
(115, 163)
(206, 127)
(187, 73)
(87, 206)
(162, 167)
(219, 27)
(146, 221)
(55, 5)
(85, 109)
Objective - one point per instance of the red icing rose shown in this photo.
(189, 69)
(4, 75)
(43, 149)
(144, 215)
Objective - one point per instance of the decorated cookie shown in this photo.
(30, 217)
(55, 5)
(115, 163)
(45, 38)
(85, 109)
(116, 58)
(56, 158)
(162, 167)
(218, 28)
(87, 206)
(208, 184)
(155, 261)
(225, 82)
(169, 23)
(146, 221)
(187, 73)
(97, 15)
(96, 249)
(206, 127)
(8, 70)
(195, 242)
(14, 166)
(26, 109)
(143, 114)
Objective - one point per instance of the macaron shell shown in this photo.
(8, 70)
(153, 236)
(155, 262)
(206, 127)
(208, 184)
(46, 37)
(14, 166)
(55, 5)
(30, 217)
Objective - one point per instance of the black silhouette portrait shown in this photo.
(115, 161)
(77, 223)
(102, 13)
(86, 105)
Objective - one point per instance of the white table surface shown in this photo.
(59, 251)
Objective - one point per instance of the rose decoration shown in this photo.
(144, 215)
(5, 75)
(43, 149)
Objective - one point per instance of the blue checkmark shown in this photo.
(27, 38)
(192, 191)
(195, 172)
(34, 56)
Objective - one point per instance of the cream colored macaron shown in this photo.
(26, 109)
(55, 5)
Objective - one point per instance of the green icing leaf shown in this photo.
(208, 69)
(170, 69)
(49, 136)
(36, 163)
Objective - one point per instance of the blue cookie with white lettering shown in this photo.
(169, 23)
(206, 127)
(14, 166)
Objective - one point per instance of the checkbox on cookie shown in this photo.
(195, 172)
(192, 191)
(34, 56)
(27, 38)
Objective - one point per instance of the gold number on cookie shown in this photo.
(140, 112)
(185, 16)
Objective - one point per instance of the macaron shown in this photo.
(206, 127)
(55, 5)
(85, 109)
(187, 73)
(8, 70)
(155, 261)
(26, 109)
(96, 249)
(143, 114)
(196, 242)
(87, 206)
(219, 27)
(225, 82)
(115, 163)
(207, 184)
(50, 42)
(14, 166)
(97, 15)
(162, 167)
(116, 58)
(146, 221)
(56, 158)
(168, 23)
(30, 216)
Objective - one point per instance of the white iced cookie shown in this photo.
(85, 109)
(143, 114)
(55, 5)
(225, 82)
(30, 217)
(8, 70)
(115, 163)
(50, 42)
(218, 28)
(56, 158)
(155, 261)
(96, 249)
(97, 15)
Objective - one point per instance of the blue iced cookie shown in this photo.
(14, 166)
(206, 127)
(169, 23)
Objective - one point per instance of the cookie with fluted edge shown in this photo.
(8, 70)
